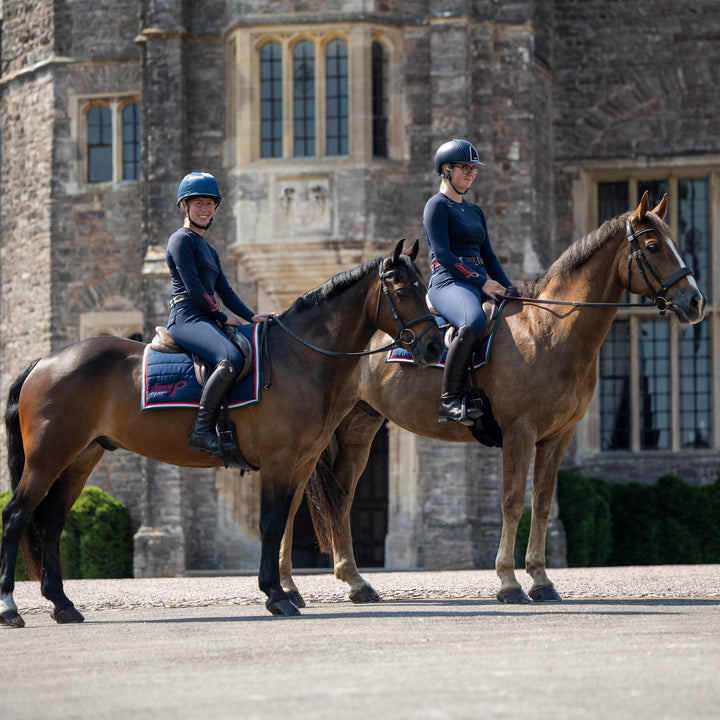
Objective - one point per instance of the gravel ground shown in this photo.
(618, 583)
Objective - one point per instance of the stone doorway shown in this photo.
(368, 517)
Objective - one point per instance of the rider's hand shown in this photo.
(494, 289)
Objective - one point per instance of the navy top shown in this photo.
(195, 270)
(456, 230)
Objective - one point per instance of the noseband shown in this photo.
(636, 253)
(405, 334)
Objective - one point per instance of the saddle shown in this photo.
(163, 342)
(489, 308)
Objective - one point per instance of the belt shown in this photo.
(477, 260)
(175, 299)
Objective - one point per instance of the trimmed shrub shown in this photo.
(585, 512)
(96, 541)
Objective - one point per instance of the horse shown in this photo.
(539, 382)
(68, 408)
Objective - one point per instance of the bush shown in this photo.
(584, 505)
(668, 523)
(96, 541)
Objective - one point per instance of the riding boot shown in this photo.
(453, 404)
(203, 435)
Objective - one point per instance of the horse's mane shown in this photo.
(576, 255)
(332, 287)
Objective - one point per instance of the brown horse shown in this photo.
(71, 406)
(539, 382)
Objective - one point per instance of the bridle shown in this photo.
(636, 253)
(659, 296)
(405, 334)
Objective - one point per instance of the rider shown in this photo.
(195, 320)
(465, 270)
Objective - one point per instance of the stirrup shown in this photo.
(458, 406)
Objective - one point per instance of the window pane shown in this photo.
(337, 98)
(694, 229)
(612, 200)
(379, 100)
(270, 101)
(304, 99)
(615, 388)
(99, 127)
(656, 189)
(696, 386)
(655, 389)
(131, 142)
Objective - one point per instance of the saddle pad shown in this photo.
(481, 356)
(168, 379)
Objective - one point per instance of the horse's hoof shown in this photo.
(296, 598)
(365, 594)
(545, 594)
(12, 618)
(513, 597)
(282, 607)
(68, 615)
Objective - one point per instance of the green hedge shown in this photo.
(97, 539)
(670, 522)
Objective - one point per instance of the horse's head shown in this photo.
(401, 311)
(655, 268)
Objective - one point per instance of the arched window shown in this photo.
(99, 144)
(131, 142)
(271, 100)
(336, 81)
(304, 99)
(379, 100)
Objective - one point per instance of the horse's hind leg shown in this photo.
(46, 526)
(14, 519)
(286, 578)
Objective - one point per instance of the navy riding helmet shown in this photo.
(198, 184)
(456, 151)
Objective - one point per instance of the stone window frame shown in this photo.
(118, 323)
(116, 103)
(243, 46)
(588, 435)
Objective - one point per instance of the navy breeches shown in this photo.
(202, 336)
(459, 303)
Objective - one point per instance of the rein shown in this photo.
(658, 296)
(405, 334)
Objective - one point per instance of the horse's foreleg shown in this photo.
(274, 512)
(286, 578)
(547, 462)
(516, 463)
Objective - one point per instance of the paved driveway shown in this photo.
(626, 643)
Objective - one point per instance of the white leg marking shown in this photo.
(7, 603)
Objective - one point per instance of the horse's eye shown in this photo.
(401, 292)
(653, 247)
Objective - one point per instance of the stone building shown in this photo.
(320, 120)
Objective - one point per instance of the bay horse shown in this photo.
(68, 408)
(539, 381)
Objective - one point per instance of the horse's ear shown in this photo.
(661, 208)
(397, 251)
(413, 251)
(641, 209)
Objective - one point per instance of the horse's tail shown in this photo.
(16, 462)
(16, 452)
(325, 497)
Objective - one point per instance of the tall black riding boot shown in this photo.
(452, 401)
(204, 436)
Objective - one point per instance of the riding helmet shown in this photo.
(456, 151)
(198, 184)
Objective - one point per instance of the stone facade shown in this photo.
(543, 89)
